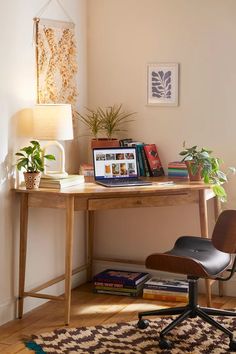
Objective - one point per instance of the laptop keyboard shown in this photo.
(125, 181)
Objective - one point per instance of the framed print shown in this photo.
(162, 83)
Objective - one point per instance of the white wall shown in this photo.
(123, 37)
(17, 91)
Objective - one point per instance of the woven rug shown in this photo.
(192, 336)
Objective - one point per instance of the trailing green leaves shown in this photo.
(209, 167)
(31, 158)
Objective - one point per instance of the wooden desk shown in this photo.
(90, 197)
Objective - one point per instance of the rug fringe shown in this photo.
(34, 346)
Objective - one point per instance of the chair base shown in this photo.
(192, 309)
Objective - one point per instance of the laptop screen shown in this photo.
(115, 163)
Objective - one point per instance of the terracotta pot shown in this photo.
(104, 142)
(32, 180)
(192, 177)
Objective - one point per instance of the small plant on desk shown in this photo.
(203, 166)
(31, 159)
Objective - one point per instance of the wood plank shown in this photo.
(142, 201)
(87, 309)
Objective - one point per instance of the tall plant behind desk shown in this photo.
(91, 197)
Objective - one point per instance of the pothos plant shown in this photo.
(31, 158)
(209, 166)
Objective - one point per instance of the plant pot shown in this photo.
(192, 177)
(104, 142)
(32, 180)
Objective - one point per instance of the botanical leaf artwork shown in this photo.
(161, 84)
(56, 62)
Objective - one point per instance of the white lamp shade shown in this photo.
(52, 122)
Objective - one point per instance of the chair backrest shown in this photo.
(224, 233)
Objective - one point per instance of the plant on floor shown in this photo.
(201, 160)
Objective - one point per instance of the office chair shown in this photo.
(197, 258)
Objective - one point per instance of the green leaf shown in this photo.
(49, 157)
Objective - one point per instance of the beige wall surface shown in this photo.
(123, 37)
(18, 91)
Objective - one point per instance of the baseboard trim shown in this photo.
(8, 309)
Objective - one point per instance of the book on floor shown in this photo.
(121, 277)
(174, 285)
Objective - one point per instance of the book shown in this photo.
(145, 162)
(69, 181)
(139, 148)
(164, 292)
(154, 162)
(124, 290)
(86, 170)
(116, 292)
(171, 298)
(121, 277)
(175, 285)
(125, 142)
(177, 169)
(118, 285)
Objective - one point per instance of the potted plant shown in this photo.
(105, 121)
(203, 166)
(31, 159)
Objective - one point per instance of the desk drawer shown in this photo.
(142, 202)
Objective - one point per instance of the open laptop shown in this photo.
(117, 167)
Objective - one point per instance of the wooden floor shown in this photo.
(88, 309)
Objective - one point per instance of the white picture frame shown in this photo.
(162, 84)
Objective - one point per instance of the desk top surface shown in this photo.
(91, 189)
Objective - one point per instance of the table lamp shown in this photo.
(53, 122)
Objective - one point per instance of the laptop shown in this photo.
(117, 167)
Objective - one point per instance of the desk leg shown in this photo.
(23, 249)
(217, 210)
(68, 255)
(204, 233)
(90, 238)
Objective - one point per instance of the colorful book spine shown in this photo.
(177, 169)
(114, 292)
(117, 286)
(108, 288)
(139, 148)
(160, 297)
(121, 277)
(166, 288)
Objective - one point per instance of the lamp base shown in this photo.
(54, 175)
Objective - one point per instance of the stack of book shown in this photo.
(149, 162)
(177, 169)
(120, 282)
(86, 169)
(71, 180)
(166, 290)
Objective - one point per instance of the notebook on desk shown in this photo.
(117, 167)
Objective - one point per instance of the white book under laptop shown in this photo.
(117, 167)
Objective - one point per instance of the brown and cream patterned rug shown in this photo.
(192, 336)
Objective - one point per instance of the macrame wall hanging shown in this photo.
(56, 59)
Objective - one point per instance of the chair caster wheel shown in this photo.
(232, 345)
(165, 344)
(142, 324)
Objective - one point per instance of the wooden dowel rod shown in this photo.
(44, 296)
(58, 279)
(117, 260)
